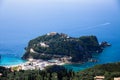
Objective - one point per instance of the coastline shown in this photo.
(41, 64)
(32, 64)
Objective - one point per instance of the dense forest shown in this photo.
(58, 44)
(50, 73)
(109, 70)
(55, 72)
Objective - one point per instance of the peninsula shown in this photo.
(60, 46)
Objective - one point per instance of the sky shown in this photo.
(22, 20)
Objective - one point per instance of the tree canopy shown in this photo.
(80, 49)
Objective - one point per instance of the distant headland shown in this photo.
(60, 46)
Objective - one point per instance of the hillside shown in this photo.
(109, 71)
(58, 45)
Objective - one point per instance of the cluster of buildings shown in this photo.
(103, 77)
(38, 64)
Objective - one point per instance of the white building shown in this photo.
(117, 78)
(32, 50)
(99, 78)
(51, 33)
(42, 44)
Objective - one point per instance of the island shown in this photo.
(61, 47)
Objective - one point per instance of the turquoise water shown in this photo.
(11, 55)
(23, 20)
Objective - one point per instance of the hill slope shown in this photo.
(109, 71)
(58, 45)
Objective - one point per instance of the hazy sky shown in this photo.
(26, 19)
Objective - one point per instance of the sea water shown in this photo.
(23, 20)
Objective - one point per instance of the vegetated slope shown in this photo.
(57, 45)
(109, 71)
(55, 72)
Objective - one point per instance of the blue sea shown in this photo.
(23, 20)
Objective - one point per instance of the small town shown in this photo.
(39, 64)
(33, 64)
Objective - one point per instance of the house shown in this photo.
(30, 59)
(42, 44)
(32, 50)
(116, 78)
(1, 74)
(51, 33)
(99, 78)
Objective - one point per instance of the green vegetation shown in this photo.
(59, 45)
(109, 70)
(51, 73)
